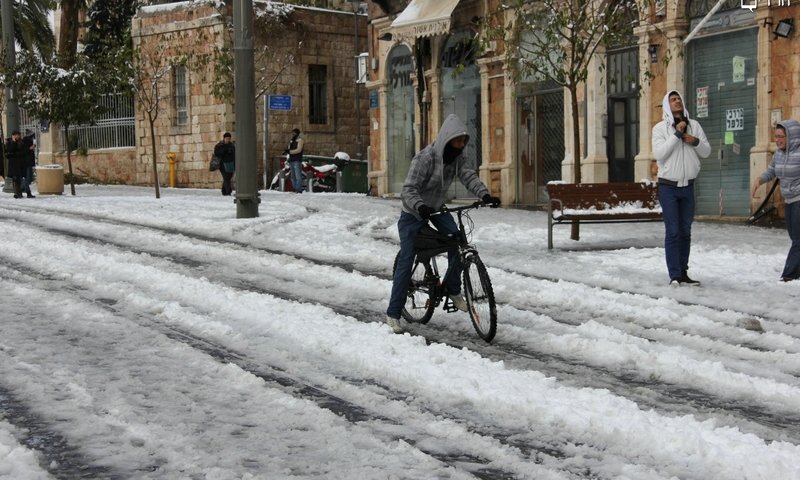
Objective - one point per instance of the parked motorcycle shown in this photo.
(322, 178)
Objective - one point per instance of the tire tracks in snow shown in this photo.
(662, 396)
(66, 461)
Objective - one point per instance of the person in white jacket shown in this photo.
(678, 144)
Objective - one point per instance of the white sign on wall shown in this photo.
(734, 119)
(701, 109)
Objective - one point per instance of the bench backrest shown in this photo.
(601, 196)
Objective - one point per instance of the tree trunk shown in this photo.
(155, 164)
(68, 32)
(576, 150)
(69, 161)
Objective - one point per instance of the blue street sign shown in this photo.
(373, 99)
(280, 102)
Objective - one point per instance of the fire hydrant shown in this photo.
(171, 158)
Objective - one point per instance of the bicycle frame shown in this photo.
(426, 289)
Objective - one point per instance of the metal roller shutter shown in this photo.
(722, 97)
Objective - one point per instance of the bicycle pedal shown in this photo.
(448, 306)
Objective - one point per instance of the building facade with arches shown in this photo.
(738, 77)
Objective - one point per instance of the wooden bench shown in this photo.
(601, 203)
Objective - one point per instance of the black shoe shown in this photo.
(787, 279)
(17, 195)
(31, 196)
(688, 281)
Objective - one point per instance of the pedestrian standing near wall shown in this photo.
(29, 142)
(17, 161)
(678, 144)
(226, 151)
(295, 152)
(785, 166)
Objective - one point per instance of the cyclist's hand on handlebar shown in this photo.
(491, 201)
(425, 212)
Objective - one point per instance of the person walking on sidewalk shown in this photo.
(678, 144)
(424, 192)
(785, 166)
(226, 151)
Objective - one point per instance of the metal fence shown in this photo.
(113, 129)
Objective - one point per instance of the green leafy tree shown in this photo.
(32, 30)
(64, 96)
(108, 28)
(556, 40)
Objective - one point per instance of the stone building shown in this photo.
(315, 92)
(737, 69)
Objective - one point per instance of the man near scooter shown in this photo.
(295, 152)
(424, 192)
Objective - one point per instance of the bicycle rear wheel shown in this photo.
(480, 298)
(420, 301)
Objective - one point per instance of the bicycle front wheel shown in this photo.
(480, 298)
(420, 298)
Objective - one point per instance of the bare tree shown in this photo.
(272, 57)
(152, 66)
(556, 40)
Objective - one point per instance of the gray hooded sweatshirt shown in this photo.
(786, 163)
(429, 178)
(677, 161)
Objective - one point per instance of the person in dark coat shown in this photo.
(17, 162)
(295, 151)
(30, 161)
(226, 152)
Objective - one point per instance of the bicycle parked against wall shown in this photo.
(426, 290)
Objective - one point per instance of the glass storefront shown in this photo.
(400, 115)
(461, 94)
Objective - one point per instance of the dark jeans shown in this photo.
(792, 267)
(408, 226)
(677, 206)
(297, 175)
(226, 183)
(27, 180)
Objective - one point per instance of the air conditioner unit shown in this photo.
(361, 68)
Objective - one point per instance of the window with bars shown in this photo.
(317, 94)
(181, 99)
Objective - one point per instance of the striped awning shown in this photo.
(424, 18)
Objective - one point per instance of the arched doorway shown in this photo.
(400, 116)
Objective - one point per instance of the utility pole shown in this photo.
(12, 109)
(247, 197)
(356, 5)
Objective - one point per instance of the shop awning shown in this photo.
(424, 18)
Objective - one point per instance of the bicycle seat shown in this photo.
(430, 242)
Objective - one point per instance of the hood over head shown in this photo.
(667, 110)
(792, 129)
(451, 128)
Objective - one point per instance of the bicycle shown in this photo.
(426, 289)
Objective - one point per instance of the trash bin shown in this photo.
(353, 175)
(50, 179)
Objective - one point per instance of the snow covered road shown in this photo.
(145, 338)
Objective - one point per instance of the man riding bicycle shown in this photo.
(424, 192)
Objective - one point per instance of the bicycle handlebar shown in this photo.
(477, 204)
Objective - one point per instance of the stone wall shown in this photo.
(192, 30)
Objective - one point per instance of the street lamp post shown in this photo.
(356, 4)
